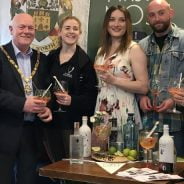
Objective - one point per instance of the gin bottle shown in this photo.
(76, 146)
(85, 131)
(166, 152)
(130, 131)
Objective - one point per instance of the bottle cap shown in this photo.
(76, 127)
(166, 126)
(84, 118)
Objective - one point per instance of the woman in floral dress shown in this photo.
(124, 71)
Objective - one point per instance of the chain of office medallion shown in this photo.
(17, 68)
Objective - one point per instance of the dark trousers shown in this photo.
(58, 141)
(26, 159)
(179, 142)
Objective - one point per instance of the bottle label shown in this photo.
(166, 153)
(166, 167)
(87, 145)
(76, 148)
(85, 132)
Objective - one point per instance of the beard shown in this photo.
(163, 26)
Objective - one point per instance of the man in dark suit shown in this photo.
(21, 69)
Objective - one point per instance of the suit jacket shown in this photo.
(12, 97)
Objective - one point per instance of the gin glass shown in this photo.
(173, 88)
(43, 94)
(155, 88)
(147, 143)
(100, 135)
(100, 69)
(58, 90)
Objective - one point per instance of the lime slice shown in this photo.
(118, 153)
(95, 149)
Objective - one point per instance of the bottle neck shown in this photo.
(130, 120)
(76, 128)
(166, 131)
(84, 120)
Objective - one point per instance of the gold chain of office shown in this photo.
(27, 86)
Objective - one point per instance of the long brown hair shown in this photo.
(106, 41)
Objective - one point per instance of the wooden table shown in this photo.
(92, 173)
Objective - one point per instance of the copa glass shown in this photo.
(100, 69)
(43, 94)
(155, 89)
(148, 143)
(175, 85)
(57, 89)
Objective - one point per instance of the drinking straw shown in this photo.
(45, 92)
(153, 129)
(59, 84)
(179, 85)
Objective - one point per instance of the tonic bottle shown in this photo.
(85, 131)
(130, 131)
(76, 146)
(166, 152)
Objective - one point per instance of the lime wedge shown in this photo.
(95, 149)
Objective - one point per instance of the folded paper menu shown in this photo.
(146, 175)
(132, 172)
(110, 167)
(158, 176)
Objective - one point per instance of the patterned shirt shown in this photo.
(164, 64)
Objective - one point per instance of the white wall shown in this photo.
(4, 22)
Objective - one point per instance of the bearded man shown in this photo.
(165, 52)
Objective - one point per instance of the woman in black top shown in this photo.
(72, 64)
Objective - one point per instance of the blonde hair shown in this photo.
(70, 18)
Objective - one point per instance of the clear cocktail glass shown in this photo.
(175, 85)
(58, 90)
(147, 143)
(100, 70)
(155, 89)
(43, 94)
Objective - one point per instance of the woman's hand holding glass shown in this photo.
(103, 71)
(63, 98)
(107, 77)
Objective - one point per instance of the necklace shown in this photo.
(27, 80)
